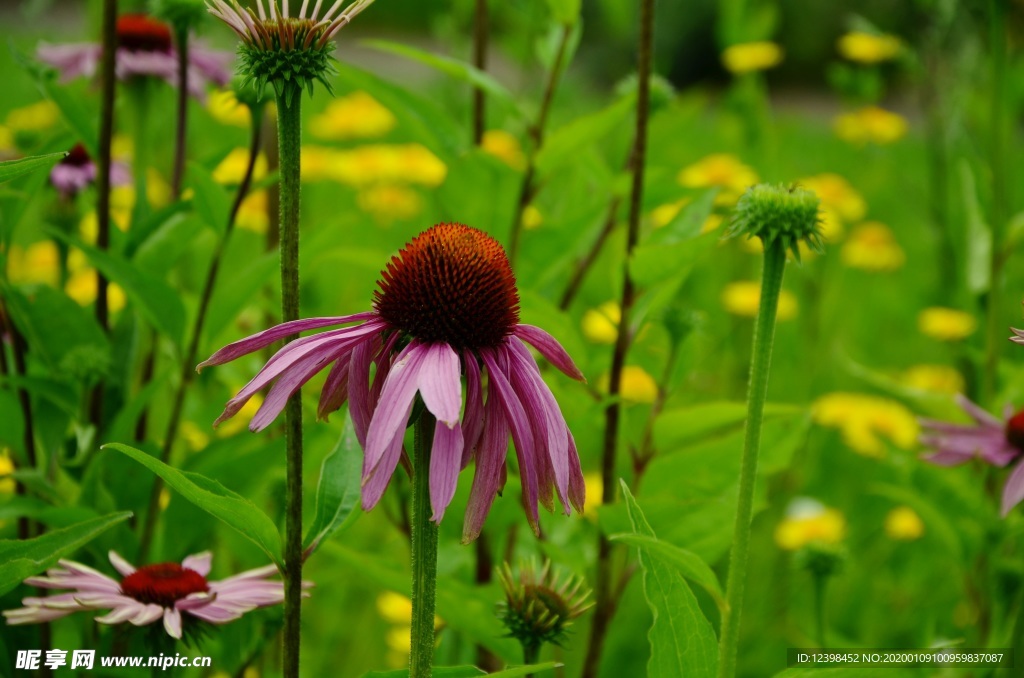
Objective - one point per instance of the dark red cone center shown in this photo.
(452, 283)
(1015, 431)
(163, 584)
(77, 156)
(141, 33)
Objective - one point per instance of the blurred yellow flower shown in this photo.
(837, 194)
(81, 286)
(394, 608)
(122, 200)
(33, 118)
(252, 213)
(355, 116)
(831, 225)
(870, 124)
(946, 324)
(371, 164)
(532, 218)
(636, 386)
(751, 56)
(712, 223)
(868, 48)
(390, 201)
(722, 170)
(6, 140)
(505, 147)
(122, 147)
(231, 169)
(195, 437)
(39, 263)
(662, 215)
(239, 423)
(165, 499)
(224, 107)
(743, 298)
(935, 378)
(601, 324)
(7, 484)
(903, 524)
(808, 522)
(158, 191)
(594, 493)
(864, 419)
(873, 247)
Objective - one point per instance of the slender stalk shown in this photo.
(996, 327)
(531, 654)
(424, 554)
(107, 82)
(289, 130)
(605, 598)
(528, 190)
(181, 128)
(480, 61)
(764, 336)
(187, 370)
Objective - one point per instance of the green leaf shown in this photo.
(565, 11)
(687, 223)
(211, 201)
(11, 169)
(232, 509)
(979, 235)
(562, 146)
(81, 120)
(237, 290)
(658, 262)
(20, 559)
(339, 489)
(689, 564)
(156, 300)
(682, 640)
(457, 69)
(168, 243)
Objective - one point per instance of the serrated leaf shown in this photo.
(338, 491)
(12, 169)
(682, 640)
(231, 508)
(20, 558)
(689, 564)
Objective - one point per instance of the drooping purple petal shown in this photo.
(289, 383)
(577, 486)
(380, 476)
(519, 423)
(473, 418)
(359, 405)
(130, 63)
(200, 562)
(172, 623)
(947, 458)
(213, 64)
(396, 399)
(269, 336)
(490, 465)
(1013, 490)
(979, 415)
(550, 349)
(335, 391)
(445, 464)
(123, 567)
(71, 179)
(73, 61)
(1018, 336)
(440, 383)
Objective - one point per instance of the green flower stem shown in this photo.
(424, 554)
(480, 61)
(764, 335)
(531, 654)
(289, 129)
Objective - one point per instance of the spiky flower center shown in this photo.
(1015, 431)
(77, 157)
(451, 283)
(141, 33)
(163, 584)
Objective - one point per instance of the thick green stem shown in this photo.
(764, 335)
(289, 128)
(424, 554)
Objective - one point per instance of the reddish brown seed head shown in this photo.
(163, 584)
(1015, 430)
(142, 33)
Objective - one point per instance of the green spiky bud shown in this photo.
(538, 608)
(778, 213)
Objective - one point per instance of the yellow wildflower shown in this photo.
(122, 201)
(356, 116)
(594, 492)
(158, 191)
(748, 57)
(81, 286)
(165, 499)
(712, 223)
(390, 201)
(831, 225)
(946, 324)
(903, 524)
(722, 170)
(532, 218)
(7, 483)
(195, 437)
(743, 298)
(601, 324)
(505, 147)
(6, 140)
(837, 194)
(371, 164)
(225, 108)
(394, 608)
(316, 161)
(662, 215)
(807, 522)
(870, 124)
(252, 213)
(33, 118)
(38, 263)
(873, 247)
(122, 147)
(636, 385)
(869, 48)
(238, 424)
(231, 169)
(863, 420)
(935, 378)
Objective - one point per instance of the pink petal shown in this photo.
(172, 622)
(550, 349)
(577, 486)
(335, 390)
(358, 392)
(200, 562)
(440, 383)
(490, 462)
(121, 613)
(73, 61)
(978, 414)
(123, 567)
(473, 418)
(147, 615)
(445, 464)
(396, 400)
(377, 482)
(1013, 490)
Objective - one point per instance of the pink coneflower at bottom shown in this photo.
(150, 593)
(447, 310)
(997, 442)
(75, 172)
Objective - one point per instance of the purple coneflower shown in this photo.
(1018, 336)
(447, 308)
(149, 593)
(997, 442)
(72, 174)
(144, 47)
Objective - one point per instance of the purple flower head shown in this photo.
(144, 48)
(447, 310)
(75, 172)
(998, 442)
(150, 593)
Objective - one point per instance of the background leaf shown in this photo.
(11, 169)
(338, 492)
